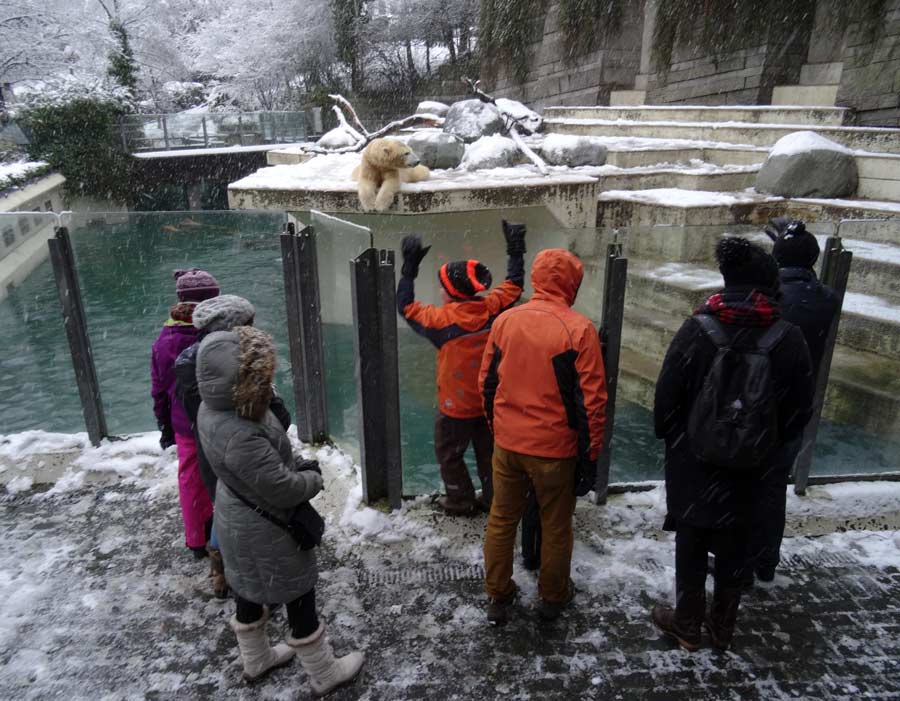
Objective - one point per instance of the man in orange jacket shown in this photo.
(544, 391)
(459, 330)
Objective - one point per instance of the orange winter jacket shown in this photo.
(542, 378)
(459, 330)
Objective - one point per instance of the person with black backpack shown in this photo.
(735, 386)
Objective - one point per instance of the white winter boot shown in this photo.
(325, 672)
(256, 654)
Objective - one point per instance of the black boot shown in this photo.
(722, 615)
(682, 623)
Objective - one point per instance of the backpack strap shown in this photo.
(713, 329)
(773, 335)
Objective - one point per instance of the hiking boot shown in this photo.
(765, 574)
(199, 552)
(550, 610)
(498, 606)
(456, 508)
(217, 573)
(722, 616)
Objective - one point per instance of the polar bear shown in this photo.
(385, 164)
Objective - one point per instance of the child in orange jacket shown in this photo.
(459, 330)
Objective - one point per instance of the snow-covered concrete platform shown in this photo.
(102, 600)
(324, 183)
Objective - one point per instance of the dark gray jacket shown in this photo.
(263, 563)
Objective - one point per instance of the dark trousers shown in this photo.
(451, 440)
(769, 513)
(692, 547)
(531, 533)
(301, 613)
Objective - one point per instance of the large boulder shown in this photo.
(432, 107)
(472, 119)
(805, 164)
(491, 152)
(528, 118)
(336, 138)
(437, 149)
(573, 151)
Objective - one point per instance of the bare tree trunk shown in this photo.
(428, 58)
(450, 40)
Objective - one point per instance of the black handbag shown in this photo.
(305, 524)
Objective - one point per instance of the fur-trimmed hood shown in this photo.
(235, 370)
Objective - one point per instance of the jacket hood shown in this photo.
(223, 313)
(235, 370)
(556, 276)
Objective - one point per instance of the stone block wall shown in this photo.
(553, 79)
(870, 82)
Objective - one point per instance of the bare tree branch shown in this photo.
(411, 120)
(340, 99)
(344, 125)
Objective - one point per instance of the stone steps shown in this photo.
(874, 139)
(863, 389)
(625, 156)
(805, 116)
(868, 323)
(677, 207)
(689, 178)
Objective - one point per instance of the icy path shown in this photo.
(101, 601)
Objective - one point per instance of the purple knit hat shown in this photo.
(195, 285)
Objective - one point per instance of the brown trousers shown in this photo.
(451, 440)
(554, 486)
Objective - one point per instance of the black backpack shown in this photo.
(733, 423)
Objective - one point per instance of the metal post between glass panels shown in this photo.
(835, 273)
(301, 291)
(611, 338)
(72, 309)
(377, 375)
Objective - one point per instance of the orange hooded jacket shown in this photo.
(459, 330)
(542, 378)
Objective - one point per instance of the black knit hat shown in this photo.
(745, 263)
(795, 247)
(462, 279)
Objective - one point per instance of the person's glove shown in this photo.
(316, 479)
(301, 465)
(413, 253)
(585, 476)
(515, 238)
(167, 436)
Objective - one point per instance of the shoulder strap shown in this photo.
(713, 330)
(773, 335)
(257, 509)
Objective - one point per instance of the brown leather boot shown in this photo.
(457, 508)
(682, 623)
(722, 615)
(217, 573)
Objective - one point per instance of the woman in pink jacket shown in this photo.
(192, 286)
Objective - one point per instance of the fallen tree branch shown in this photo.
(411, 120)
(340, 99)
(513, 124)
(345, 125)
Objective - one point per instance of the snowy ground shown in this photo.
(102, 601)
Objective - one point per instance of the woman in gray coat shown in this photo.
(250, 453)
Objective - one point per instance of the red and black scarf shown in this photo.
(742, 308)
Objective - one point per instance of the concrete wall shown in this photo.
(585, 80)
(870, 82)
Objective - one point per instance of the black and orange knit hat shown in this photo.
(462, 279)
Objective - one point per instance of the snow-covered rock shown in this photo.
(491, 152)
(805, 164)
(573, 151)
(528, 118)
(432, 107)
(437, 149)
(472, 119)
(336, 138)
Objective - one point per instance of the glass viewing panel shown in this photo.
(337, 243)
(125, 262)
(37, 383)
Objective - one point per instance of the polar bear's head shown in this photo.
(390, 153)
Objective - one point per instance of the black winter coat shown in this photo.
(187, 392)
(697, 493)
(810, 305)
